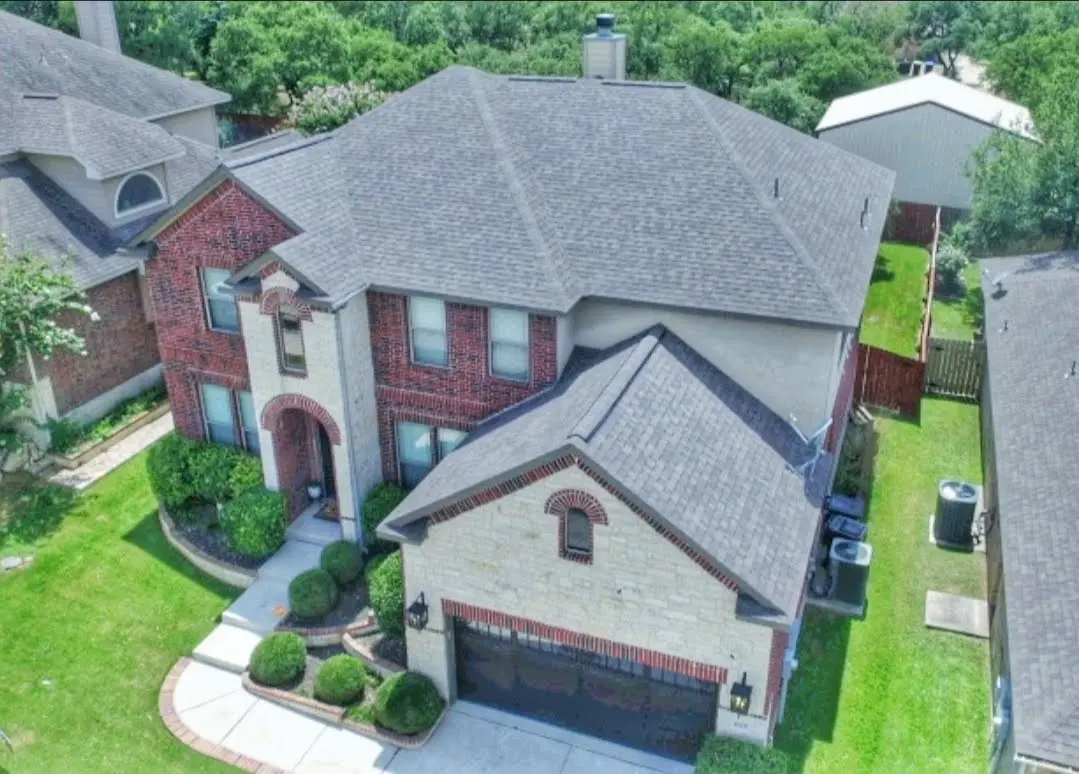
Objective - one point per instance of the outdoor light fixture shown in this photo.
(417, 614)
(740, 695)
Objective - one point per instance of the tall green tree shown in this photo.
(945, 28)
(710, 56)
(786, 102)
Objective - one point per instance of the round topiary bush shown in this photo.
(343, 560)
(386, 589)
(255, 522)
(340, 680)
(407, 703)
(278, 660)
(168, 471)
(312, 594)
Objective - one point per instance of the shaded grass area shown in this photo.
(885, 695)
(91, 630)
(959, 318)
(893, 308)
(31, 511)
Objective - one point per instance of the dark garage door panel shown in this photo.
(631, 704)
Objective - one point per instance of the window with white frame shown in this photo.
(225, 410)
(427, 329)
(138, 192)
(221, 310)
(509, 344)
(420, 447)
(290, 340)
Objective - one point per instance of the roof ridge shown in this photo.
(777, 218)
(509, 174)
(256, 158)
(608, 397)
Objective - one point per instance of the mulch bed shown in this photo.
(305, 686)
(387, 648)
(197, 524)
(352, 606)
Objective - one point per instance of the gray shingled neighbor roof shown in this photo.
(1035, 414)
(37, 59)
(537, 192)
(679, 438)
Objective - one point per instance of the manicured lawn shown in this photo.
(885, 695)
(893, 308)
(958, 318)
(90, 631)
(31, 510)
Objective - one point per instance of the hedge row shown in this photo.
(181, 470)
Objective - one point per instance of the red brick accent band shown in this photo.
(560, 503)
(503, 488)
(707, 672)
(274, 298)
(273, 410)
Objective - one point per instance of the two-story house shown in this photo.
(93, 145)
(602, 329)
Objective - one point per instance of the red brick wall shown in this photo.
(456, 396)
(225, 230)
(843, 400)
(119, 346)
(775, 673)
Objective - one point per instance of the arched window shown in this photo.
(578, 537)
(136, 192)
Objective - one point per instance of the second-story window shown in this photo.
(290, 340)
(138, 192)
(427, 328)
(221, 310)
(509, 344)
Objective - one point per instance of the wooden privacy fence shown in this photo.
(889, 380)
(955, 368)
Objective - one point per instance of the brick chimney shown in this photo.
(97, 23)
(603, 52)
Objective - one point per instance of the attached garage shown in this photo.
(616, 699)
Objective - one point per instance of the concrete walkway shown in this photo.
(106, 462)
(208, 709)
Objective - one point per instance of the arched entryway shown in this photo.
(304, 438)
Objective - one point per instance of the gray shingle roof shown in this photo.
(104, 142)
(1035, 416)
(36, 59)
(671, 431)
(537, 192)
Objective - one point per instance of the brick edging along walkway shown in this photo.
(167, 709)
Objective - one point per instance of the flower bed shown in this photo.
(106, 433)
(213, 565)
(384, 654)
(337, 582)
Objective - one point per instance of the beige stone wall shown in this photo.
(640, 589)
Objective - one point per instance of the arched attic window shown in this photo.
(137, 192)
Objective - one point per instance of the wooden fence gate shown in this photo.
(889, 380)
(955, 368)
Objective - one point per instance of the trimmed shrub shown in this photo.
(246, 474)
(407, 703)
(278, 660)
(312, 595)
(343, 560)
(723, 755)
(166, 466)
(65, 435)
(378, 504)
(951, 260)
(386, 588)
(210, 467)
(340, 680)
(255, 522)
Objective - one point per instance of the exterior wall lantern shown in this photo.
(417, 614)
(740, 696)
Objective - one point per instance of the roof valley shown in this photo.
(608, 397)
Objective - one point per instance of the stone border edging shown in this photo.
(167, 709)
(321, 636)
(329, 713)
(380, 666)
(238, 577)
(80, 459)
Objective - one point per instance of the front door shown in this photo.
(325, 453)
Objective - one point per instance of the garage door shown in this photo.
(618, 700)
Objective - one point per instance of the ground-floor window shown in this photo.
(229, 417)
(420, 447)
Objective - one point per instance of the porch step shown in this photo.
(290, 560)
(227, 647)
(260, 608)
(311, 529)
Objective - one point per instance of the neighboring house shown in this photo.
(93, 145)
(641, 300)
(1030, 432)
(926, 128)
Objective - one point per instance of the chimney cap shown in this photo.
(605, 24)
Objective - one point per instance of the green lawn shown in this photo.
(885, 695)
(90, 630)
(958, 318)
(892, 318)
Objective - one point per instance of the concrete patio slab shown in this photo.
(290, 560)
(214, 720)
(954, 613)
(202, 684)
(338, 751)
(228, 647)
(260, 608)
(273, 735)
(311, 529)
